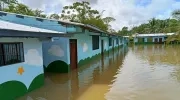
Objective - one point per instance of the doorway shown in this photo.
(160, 40)
(73, 53)
(156, 40)
(102, 47)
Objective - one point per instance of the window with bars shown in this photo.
(11, 53)
(95, 42)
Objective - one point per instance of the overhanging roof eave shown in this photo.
(17, 33)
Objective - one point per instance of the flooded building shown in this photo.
(30, 45)
(21, 59)
(86, 43)
(156, 38)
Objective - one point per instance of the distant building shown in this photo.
(155, 38)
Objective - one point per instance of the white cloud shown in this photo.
(56, 50)
(85, 47)
(126, 12)
(33, 58)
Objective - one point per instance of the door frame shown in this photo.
(70, 50)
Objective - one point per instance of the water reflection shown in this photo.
(89, 82)
(144, 72)
(159, 53)
(150, 72)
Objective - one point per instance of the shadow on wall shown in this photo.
(13, 89)
(57, 66)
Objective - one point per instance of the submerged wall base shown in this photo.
(97, 56)
(58, 66)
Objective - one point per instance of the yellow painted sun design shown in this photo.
(20, 70)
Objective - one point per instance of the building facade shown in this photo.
(29, 46)
(156, 38)
(21, 59)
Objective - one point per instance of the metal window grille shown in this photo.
(11, 53)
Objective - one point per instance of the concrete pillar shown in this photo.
(153, 39)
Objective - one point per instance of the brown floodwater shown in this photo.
(143, 72)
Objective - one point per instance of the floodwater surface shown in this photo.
(150, 72)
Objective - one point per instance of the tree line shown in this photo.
(170, 25)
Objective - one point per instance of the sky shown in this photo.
(126, 12)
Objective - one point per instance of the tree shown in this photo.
(107, 20)
(39, 13)
(6, 2)
(176, 14)
(97, 22)
(54, 16)
(79, 12)
(82, 12)
(124, 31)
(152, 24)
(157, 25)
(19, 8)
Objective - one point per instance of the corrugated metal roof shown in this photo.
(19, 27)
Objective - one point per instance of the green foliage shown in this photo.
(78, 12)
(54, 16)
(82, 12)
(19, 8)
(39, 13)
(97, 22)
(156, 26)
(174, 38)
(107, 20)
(176, 14)
(124, 31)
(4, 2)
